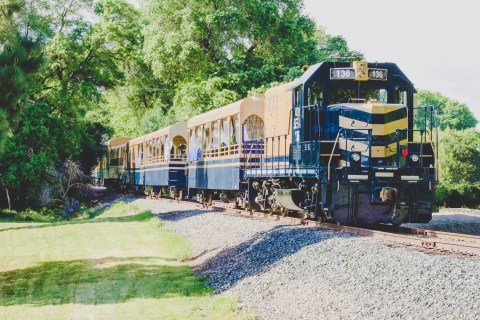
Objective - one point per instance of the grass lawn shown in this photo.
(117, 264)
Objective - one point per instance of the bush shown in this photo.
(43, 215)
(458, 195)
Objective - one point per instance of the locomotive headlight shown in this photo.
(355, 157)
(414, 157)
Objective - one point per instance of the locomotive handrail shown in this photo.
(433, 125)
(268, 154)
(368, 148)
(422, 142)
(435, 153)
(250, 151)
(290, 121)
(331, 154)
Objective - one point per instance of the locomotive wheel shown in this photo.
(302, 215)
(248, 208)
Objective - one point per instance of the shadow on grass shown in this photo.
(142, 216)
(113, 202)
(102, 281)
(108, 203)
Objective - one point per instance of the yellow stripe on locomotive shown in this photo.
(380, 121)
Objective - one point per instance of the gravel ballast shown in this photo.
(453, 220)
(281, 271)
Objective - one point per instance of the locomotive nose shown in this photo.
(372, 130)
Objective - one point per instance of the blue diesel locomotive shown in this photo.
(354, 155)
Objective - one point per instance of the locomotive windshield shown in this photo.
(356, 92)
(364, 92)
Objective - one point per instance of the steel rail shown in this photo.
(434, 234)
(427, 239)
(422, 238)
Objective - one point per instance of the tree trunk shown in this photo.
(70, 208)
(8, 198)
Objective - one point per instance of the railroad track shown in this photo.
(430, 240)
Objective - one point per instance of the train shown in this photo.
(344, 142)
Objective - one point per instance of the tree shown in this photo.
(93, 145)
(451, 114)
(195, 98)
(248, 44)
(7, 11)
(114, 66)
(69, 180)
(459, 169)
(81, 65)
(138, 92)
(27, 160)
(20, 59)
(334, 47)
(460, 156)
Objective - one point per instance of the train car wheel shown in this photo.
(303, 215)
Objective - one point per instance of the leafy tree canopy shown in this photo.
(459, 156)
(193, 56)
(20, 59)
(48, 101)
(75, 68)
(451, 114)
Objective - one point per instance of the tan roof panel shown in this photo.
(178, 129)
(244, 107)
(117, 142)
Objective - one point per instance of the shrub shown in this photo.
(42, 215)
(458, 195)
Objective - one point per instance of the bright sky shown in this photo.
(435, 42)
